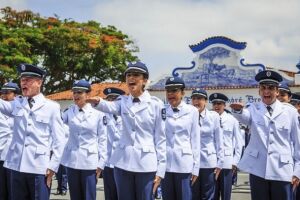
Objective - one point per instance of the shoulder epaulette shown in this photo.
(289, 105)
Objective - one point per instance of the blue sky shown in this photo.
(163, 29)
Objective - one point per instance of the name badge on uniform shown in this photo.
(104, 120)
(163, 114)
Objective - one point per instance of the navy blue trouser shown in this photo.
(134, 185)
(82, 184)
(110, 189)
(5, 182)
(27, 186)
(62, 179)
(176, 186)
(262, 189)
(224, 185)
(297, 193)
(204, 187)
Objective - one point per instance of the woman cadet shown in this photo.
(183, 143)
(9, 91)
(211, 153)
(85, 152)
(114, 128)
(140, 158)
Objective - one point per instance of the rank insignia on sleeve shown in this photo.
(163, 114)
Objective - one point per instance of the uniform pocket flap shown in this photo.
(285, 159)
(147, 149)
(18, 112)
(93, 149)
(227, 129)
(227, 152)
(253, 153)
(211, 151)
(186, 150)
(42, 119)
(41, 150)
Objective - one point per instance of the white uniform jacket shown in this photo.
(86, 147)
(142, 146)
(5, 135)
(183, 139)
(232, 140)
(212, 147)
(34, 130)
(269, 153)
(114, 128)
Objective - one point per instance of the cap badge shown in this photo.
(215, 95)
(23, 67)
(109, 90)
(269, 73)
(172, 79)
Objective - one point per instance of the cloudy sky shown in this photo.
(163, 29)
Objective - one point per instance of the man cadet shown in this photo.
(114, 128)
(37, 124)
(232, 141)
(284, 93)
(269, 157)
(8, 92)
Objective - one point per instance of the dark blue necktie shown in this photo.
(30, 102)
(136, 100)
(175, 110)
(270, 110)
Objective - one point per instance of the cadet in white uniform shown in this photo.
(37, 122)
(233, 143)
(140, 158)
(269, 157)
(284, 93)
(85, 152)
(183, 143)
(212, 152)
(295, 101)
(114, 129)
(8, 93)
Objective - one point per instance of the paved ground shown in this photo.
(239, 192)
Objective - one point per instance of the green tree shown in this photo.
(67, 49)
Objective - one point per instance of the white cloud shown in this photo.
(166, 28)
